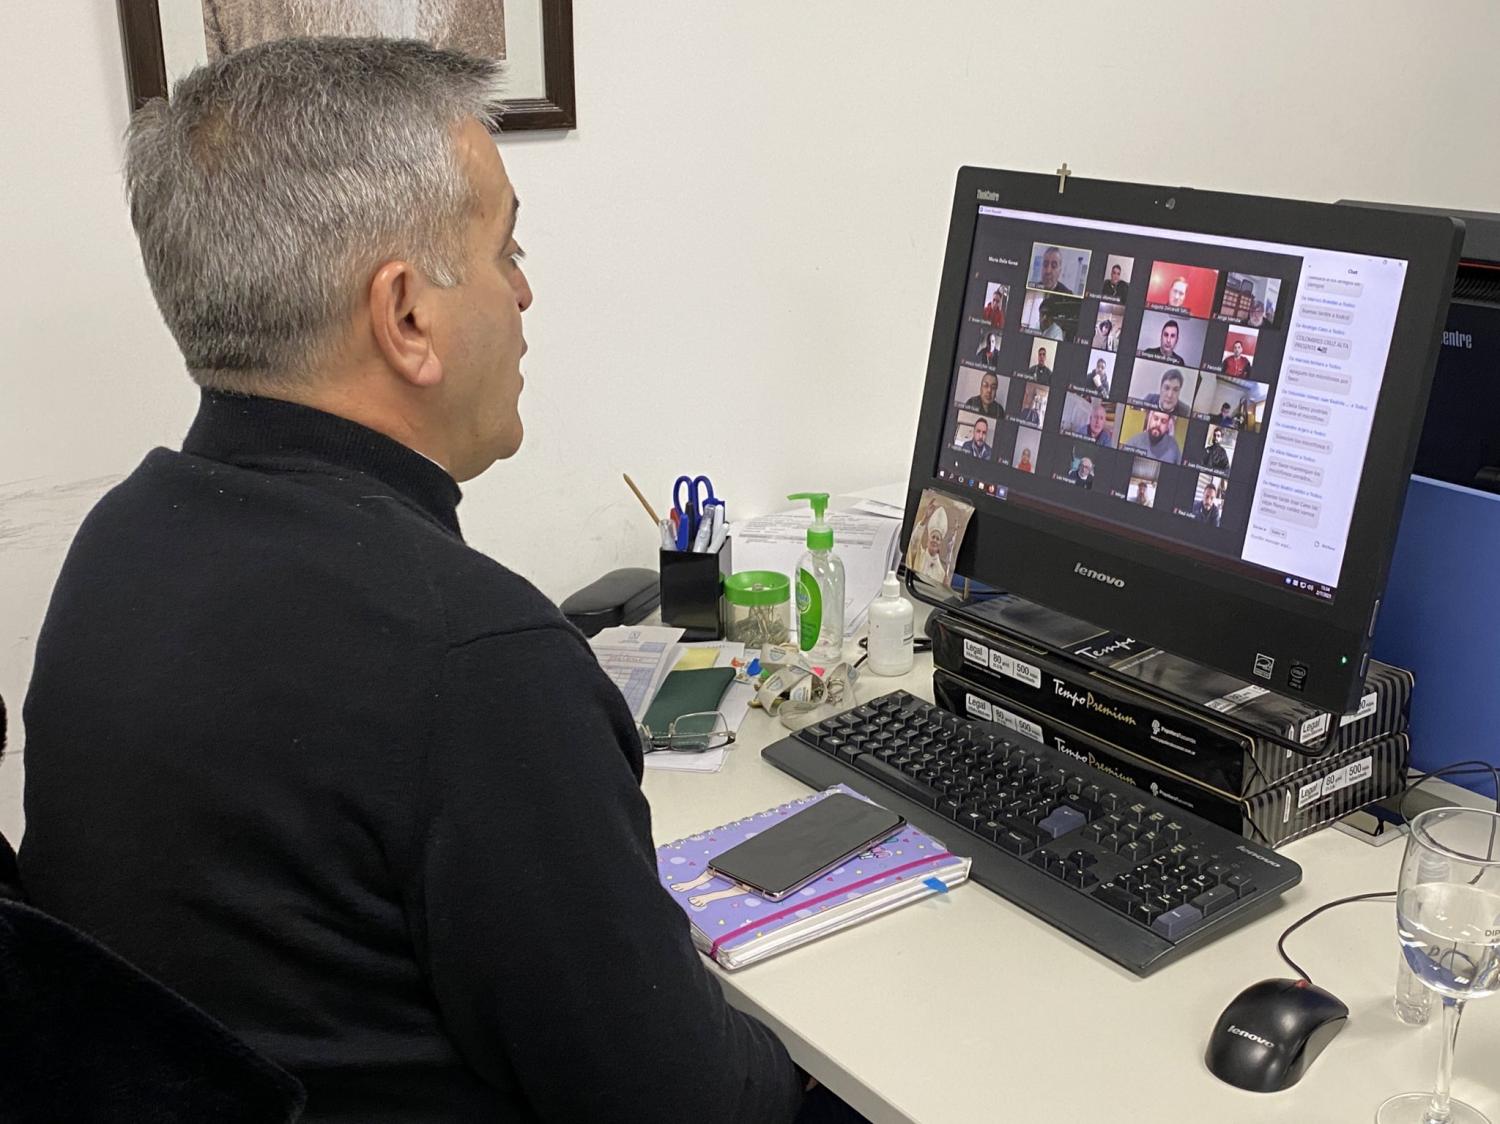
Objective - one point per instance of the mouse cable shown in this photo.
(1295, 925)
(1457, 769)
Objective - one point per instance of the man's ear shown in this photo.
(401, 312)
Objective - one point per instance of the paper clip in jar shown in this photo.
(758, 611)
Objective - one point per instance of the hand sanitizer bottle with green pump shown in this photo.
(819, 584)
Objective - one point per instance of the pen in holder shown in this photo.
(691, 587)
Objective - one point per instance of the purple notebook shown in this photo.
(736, 927)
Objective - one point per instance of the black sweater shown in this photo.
(362, 794)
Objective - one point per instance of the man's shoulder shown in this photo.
(391, 549)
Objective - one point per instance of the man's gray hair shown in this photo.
(278, 179)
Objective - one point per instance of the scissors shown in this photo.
(690, 495)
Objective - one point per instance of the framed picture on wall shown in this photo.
(164, 39)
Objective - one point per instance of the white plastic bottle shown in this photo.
(892, 631)
(819, 588)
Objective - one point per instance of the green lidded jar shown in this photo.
(758, 610)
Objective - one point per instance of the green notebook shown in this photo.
(687, 692)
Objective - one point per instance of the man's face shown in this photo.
(1157, 424)
(477, 330)
(1257, 312)
(1114, 273)
(1239, 349)
(1170, 388)
(1099, 367)
(1178, 294)
(981, 431)
(1085, 468)
(1169, 337)
(987, 387)
(1216, 437)
(1096, 419)
(1041, 356)
(1051, 268)
(1208, 496)
(934, 542)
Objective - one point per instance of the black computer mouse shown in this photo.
(1271, 1032)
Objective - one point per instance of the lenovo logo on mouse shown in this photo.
(1266, 1042)
(1098, 575)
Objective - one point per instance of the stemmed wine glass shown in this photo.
(1448, 919)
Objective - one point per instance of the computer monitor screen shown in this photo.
(1190, 419)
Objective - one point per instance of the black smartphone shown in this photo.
(805, 845)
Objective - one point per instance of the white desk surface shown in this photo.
(963, 1007)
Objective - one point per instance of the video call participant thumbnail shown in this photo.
(1099, 375)
(1116, 285)
(1172, 339)
(1239, 352)
(1142, 486)
(1208, 507)
(1107, 327)
(996, 297)
(1059, 269)
(988, 351)
(1051, 315)
(1025, 455)
(987, 401)
(1249, 299)
(1089, 418)
(1082, 472)
(1041, 362)
(1173, 387)
(1034, 405)
(1184, 289)
(1155, 434)
(1218, 451)
(972, 436)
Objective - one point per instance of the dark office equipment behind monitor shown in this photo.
(1274, 577)
(1461, 432)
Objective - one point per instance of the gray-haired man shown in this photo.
(293, 747)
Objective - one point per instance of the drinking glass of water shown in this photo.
(1448, 919)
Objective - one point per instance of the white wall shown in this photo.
(736, 255)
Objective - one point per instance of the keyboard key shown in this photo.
(1013, 841)
(1062, 821)
(1052, 864)
(1083, 879)
(1211, 901)
(1218, 871)
(1178, 921)
(1111, 843)
(1240, 883)
(1137, 812)
(1082, 858)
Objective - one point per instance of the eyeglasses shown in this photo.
(690, 733)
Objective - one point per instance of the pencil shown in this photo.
(655, 522)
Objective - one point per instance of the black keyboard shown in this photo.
(1135, 878)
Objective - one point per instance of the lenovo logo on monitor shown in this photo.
(1098, 575)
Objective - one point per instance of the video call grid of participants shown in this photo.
(1078, 351)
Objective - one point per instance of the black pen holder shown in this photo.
(692, 587)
